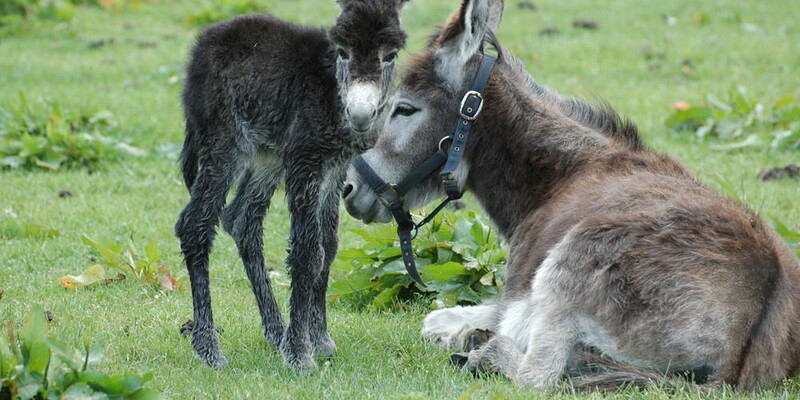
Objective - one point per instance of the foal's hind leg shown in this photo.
(329, 220)
(196, 230)
(242, 219)
(305, 258)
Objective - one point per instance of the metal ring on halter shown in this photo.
(441, 142)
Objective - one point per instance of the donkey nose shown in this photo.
(348, 188)
(360, 121)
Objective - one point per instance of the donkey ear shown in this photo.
(399, 4)
(495, 14)
(460, 39)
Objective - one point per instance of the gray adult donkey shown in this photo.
(269, 101)
(613, 248)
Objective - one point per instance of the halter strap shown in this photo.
(392, 195)
(471, 106)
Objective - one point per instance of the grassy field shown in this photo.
(634, 60)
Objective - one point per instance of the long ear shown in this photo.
(495, 14)
(460, 39)
(399, 4)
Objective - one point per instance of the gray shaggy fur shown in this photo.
(265, 102)
(613, 249)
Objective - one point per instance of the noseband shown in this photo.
(392, 194)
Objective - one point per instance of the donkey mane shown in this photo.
(600, 116)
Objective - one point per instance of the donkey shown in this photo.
(613, 249)
(268, 101)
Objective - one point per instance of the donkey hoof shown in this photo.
(324, 347)
(215, 361)
(297, 356)
(459, 359)
(206, 345)
(303, 365)
(476, 338)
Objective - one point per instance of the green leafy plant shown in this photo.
(143, 266)
(13, 228)
(15, 15)
(791, 237)
(217, 10)
(37, 365)
(741, 121)
(53, 138)
(457, 254)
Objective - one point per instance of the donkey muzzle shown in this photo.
(361, 106)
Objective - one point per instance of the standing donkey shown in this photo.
(613, 248)
(269, 101)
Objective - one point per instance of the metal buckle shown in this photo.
(466, 114)
(444, 139)
(389, 196)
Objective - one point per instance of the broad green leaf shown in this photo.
(386, 298)
(689, 119)
(352, 283)
(7, 360)
(82, 391)
(111, 257)
(784, 101)
(728, 128)
(11, 161)
(444, 271)
(92, 275)
(35, 352)
(749, 141)
(94, 354)
(351, 253)
(478, 233)
(19, 229)
(717, 103)
(389, 252)
(144, 394)
(152, 250)
(395, 266)
(29, 390)
(787, 233)
(65, 353)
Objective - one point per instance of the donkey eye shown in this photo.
(342, 53)
(390, 57)
(404, 109)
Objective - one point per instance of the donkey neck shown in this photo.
(523, 149)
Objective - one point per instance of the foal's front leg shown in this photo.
(324, 345)
(305, 260)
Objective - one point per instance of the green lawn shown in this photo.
(634, 60)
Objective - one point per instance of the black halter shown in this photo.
(391, 195)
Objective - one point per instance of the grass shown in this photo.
(381, 355)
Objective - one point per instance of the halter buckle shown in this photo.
(389, 196)
(471, 105)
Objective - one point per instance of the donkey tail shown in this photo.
(189, 159)
(599, 373)
(616, 380)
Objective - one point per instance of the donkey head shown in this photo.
(367, 37)
(425, 108)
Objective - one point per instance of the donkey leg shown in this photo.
(196, 230)
(305, 260)
(324, 345)
(552, 320)
(450, 328)
(499, 354)
(242, 219)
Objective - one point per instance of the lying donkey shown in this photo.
(613, 248)
(267, 101)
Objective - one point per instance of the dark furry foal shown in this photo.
(268, 101)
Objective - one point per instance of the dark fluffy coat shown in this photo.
(264, 102)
